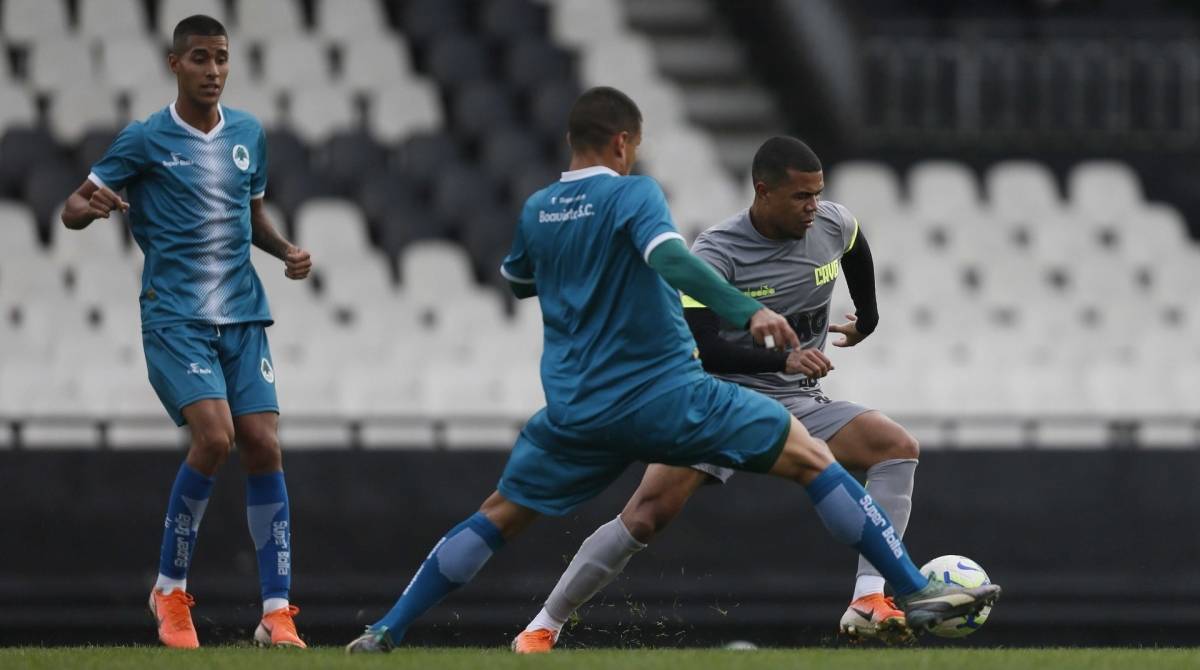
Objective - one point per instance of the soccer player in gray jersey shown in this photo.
(787, 251)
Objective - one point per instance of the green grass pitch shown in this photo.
(598, 659)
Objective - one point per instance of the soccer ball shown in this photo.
(959, 571)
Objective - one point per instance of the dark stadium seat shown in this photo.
(47, 186)
(379, 192)
(423, 154)
(296, 186)
(20, 149)
(92, 148)
(461, 191)
(533, 63)
(509, 150)
(532, 178)
(487, 237)
(550, 105)
(348, 158)
(512, 20)
(456, 58)
(407, 220)
(421, 20)
(482, 107)
(285, 153)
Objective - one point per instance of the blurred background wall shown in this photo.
(1025, 172)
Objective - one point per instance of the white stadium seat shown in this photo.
(60, 62)
(1104, 191)
(334, 228)
(268, 18)
(370, 63)
(171, 12)
(435, 268)
(870, 190)
(295, 63)
(318, 112)
(17, 107)
(350, 21)
(135, 61)
(74, 110)
(111, 20)
(404, 108)
(26, 21)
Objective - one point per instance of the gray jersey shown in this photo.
(794, 278)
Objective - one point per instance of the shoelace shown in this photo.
(177, 614)
(283, 617)
(891, 603)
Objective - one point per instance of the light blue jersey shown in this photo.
(189, 199)
(615, 336)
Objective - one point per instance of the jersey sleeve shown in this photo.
(258, 180)
(125, 159)
(517, 266)
(650, 222)
(849, 227)
(704, 249)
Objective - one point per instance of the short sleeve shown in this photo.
(258, 180)
(517, 266)
(649, 223)
(709, 252)
(124, 161)
(849, 227)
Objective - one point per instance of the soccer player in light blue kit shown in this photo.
(195, 174)
(623, 383)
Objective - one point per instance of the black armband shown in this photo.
(721, 356)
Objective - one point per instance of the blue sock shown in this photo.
(853, 518)
(189, 497)
(270, 528)
(453, 562)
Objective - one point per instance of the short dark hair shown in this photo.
(197, 24)
(600, 113)
(778, 155)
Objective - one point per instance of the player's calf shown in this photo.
(660, 498)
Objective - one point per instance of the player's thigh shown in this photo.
(553, 470)
(184, 366)
(710, 421)
(249, 369)
(869, 438)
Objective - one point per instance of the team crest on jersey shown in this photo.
(241, 157)
(267, 371)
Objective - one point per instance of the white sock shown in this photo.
(167, 584)
(272, 604)
(600, 558)
(545, 620)
(865, 585)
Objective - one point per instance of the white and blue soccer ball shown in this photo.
(958, 571)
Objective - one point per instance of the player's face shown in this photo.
(792, 204)
(202, 68)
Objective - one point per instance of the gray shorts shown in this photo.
(822, 417)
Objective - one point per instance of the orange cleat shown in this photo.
(174, 616)
(875, 617)
(537, 641)
(277, 629)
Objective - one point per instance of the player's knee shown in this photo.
(260, 451)
(212, 444)
(904, 445)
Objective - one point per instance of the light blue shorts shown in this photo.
(190, 362)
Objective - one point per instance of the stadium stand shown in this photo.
(405, 134)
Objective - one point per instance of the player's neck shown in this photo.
(202, 118)
(584, 161)
(758, 220)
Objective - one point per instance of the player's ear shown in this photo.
(173, 61)
(760, 189)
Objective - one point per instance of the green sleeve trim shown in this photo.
(853, 236)
(700, 281)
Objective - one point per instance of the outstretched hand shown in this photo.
(849, 332)
(298, 263)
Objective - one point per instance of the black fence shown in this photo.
(1092, 547)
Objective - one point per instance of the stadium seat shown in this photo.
(1104, 191)
(510, 149)
(458, 58)
(147, 100)
(405, 221)
(171, 12)
(18, 233)
(370, 63)
(422, 20)
(423, 154)
(47, 187)
(350, 21)
(286, 154)
(870, 190)
(381, 191)
(348, 159)
(511, 20)
(584, 22)
(294, 63)
(60, 62)
(17, 107)
(27, 21)
(460, 191)
(482, 107)
(335, 229)
(75, 110)
(398, 111)
(362, 285)
(550, 105)
(317, 113)
(111, 20)
(435, 270)
(1021, 192)
(134, 61)
(262, 19)
(261, 101)
(943, 190)
(103, 239)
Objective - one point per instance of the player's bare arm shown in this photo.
(90, 202)
(297, 261)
